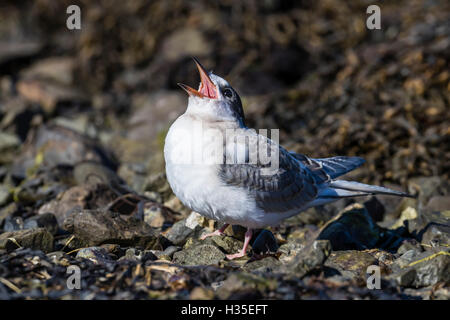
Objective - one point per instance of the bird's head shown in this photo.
(215, 100)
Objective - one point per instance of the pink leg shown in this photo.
(218, 232)
(243, 252)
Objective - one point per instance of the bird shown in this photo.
(214, 172)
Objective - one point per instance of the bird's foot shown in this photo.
(240, 254)
(218, 232)
(212, 234)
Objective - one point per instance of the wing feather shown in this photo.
(291, 187)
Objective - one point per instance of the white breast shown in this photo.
(198, 185)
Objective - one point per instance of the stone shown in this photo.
(199, 293)
(312, 256)
(245, 285)
(268, 264)
(13, 224)
(78, 198)
(49, 94)
(265, 242)
(409, 244)
(92, 172)
(54, 145)
(350, 263)
(438, 203)
(205, 254)
(57, 69)
(46, 220)
(185, 42)
(135, 255)
(352, 229)
(375, 208)
(36, 239)
(5, 195)
(180, 232)
(408, 214)
(8, 211)
(8, 141)
(422, 269)
(154, 216)
(96, 227)
(97, 255)
(430, 228)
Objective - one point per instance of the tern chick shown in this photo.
(214, 172)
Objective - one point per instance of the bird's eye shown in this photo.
(227, 93)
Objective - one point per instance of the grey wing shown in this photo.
(291, 187)
(334, 167)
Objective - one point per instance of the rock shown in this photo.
(50, 94)
(268, 264)
(225, 243)
(135, 255)
(13, 224)
(154, 216)
(205, 254)
(265, 242)
(78, 198)
(153, 112)
(157, 215)
(8, 211)
(423, 269)
(185, 42)
(245, 286)
(55, 145)
(351, 264)
(436, 235)
(55, 69)
(438, 203)
(409, 244)
(199, 293)
(428, 187)
(95, 227)
(404, 277)
(166, 254)
(405, 259)
(307, 259)
(179, 232)
(430, 228)
(375, 209)
(60, 258)
(408, 214)
(47, 221)
(352, 229)
(91, 172)
(97, 255)
(8, 141)
(5, 195)
(18, 49)
(158, 183)
(36, 239)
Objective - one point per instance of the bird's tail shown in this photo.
(339, 189)
(344, 189)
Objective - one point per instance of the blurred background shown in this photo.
(84, 114)
(312, 69)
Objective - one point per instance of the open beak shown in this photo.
(207, 87)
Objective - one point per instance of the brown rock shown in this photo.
(96, 227)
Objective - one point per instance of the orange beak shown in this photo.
(207, 87)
